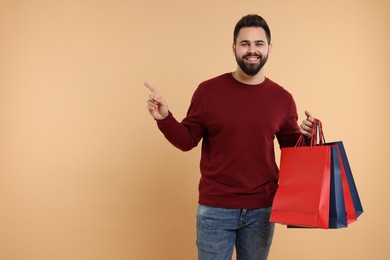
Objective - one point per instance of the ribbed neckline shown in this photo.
(248, 86)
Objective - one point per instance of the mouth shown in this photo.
(252, 59)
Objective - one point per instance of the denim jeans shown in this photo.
(220, 229)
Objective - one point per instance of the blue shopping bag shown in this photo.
(337, 212)
(351, 182)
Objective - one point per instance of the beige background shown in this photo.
(84, 172)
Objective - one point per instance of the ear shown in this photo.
(270, 48)
(234, 49)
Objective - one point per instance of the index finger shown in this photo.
(151, 88)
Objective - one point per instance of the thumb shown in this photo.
(309, 116)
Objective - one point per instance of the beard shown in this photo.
(251, 69)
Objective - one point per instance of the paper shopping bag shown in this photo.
(302, 198)
(295, 201)
(337, 210)
(353, 204)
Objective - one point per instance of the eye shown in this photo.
(244, 44)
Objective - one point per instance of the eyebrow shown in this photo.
(257, 41)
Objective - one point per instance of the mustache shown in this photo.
(252, 54)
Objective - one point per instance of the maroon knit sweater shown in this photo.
(238, 124)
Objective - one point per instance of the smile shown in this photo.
(252, 59)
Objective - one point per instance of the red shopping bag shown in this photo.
(339, 201)
(302, 198)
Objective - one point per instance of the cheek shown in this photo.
(238, 53)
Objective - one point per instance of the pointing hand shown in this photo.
(157, 106)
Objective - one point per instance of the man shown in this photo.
(237, 115)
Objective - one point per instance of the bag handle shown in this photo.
(317, 135)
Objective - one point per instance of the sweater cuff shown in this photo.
(169, 118)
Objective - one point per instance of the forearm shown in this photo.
(180, 135)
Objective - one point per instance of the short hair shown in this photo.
(252, 20)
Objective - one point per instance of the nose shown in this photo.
(252, 49)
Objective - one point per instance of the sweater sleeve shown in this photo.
(184, 135)
(289, 133)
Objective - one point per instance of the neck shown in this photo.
(247, 79)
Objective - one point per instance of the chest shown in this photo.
(244, 112)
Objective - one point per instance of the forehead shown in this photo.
(251, 34)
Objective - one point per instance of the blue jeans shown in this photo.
(220, 229)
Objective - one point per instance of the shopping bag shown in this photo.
(303, 196)
(344, 205)
(337, 211)
(353, 204)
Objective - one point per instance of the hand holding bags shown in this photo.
(316, 187)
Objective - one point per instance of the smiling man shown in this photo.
(237, 116)
(251, 49)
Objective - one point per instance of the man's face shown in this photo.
(251, 50)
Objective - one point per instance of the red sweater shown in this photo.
(238, 124)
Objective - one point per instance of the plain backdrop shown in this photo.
(86, 174)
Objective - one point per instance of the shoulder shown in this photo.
(216, 81)
(211, 87)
